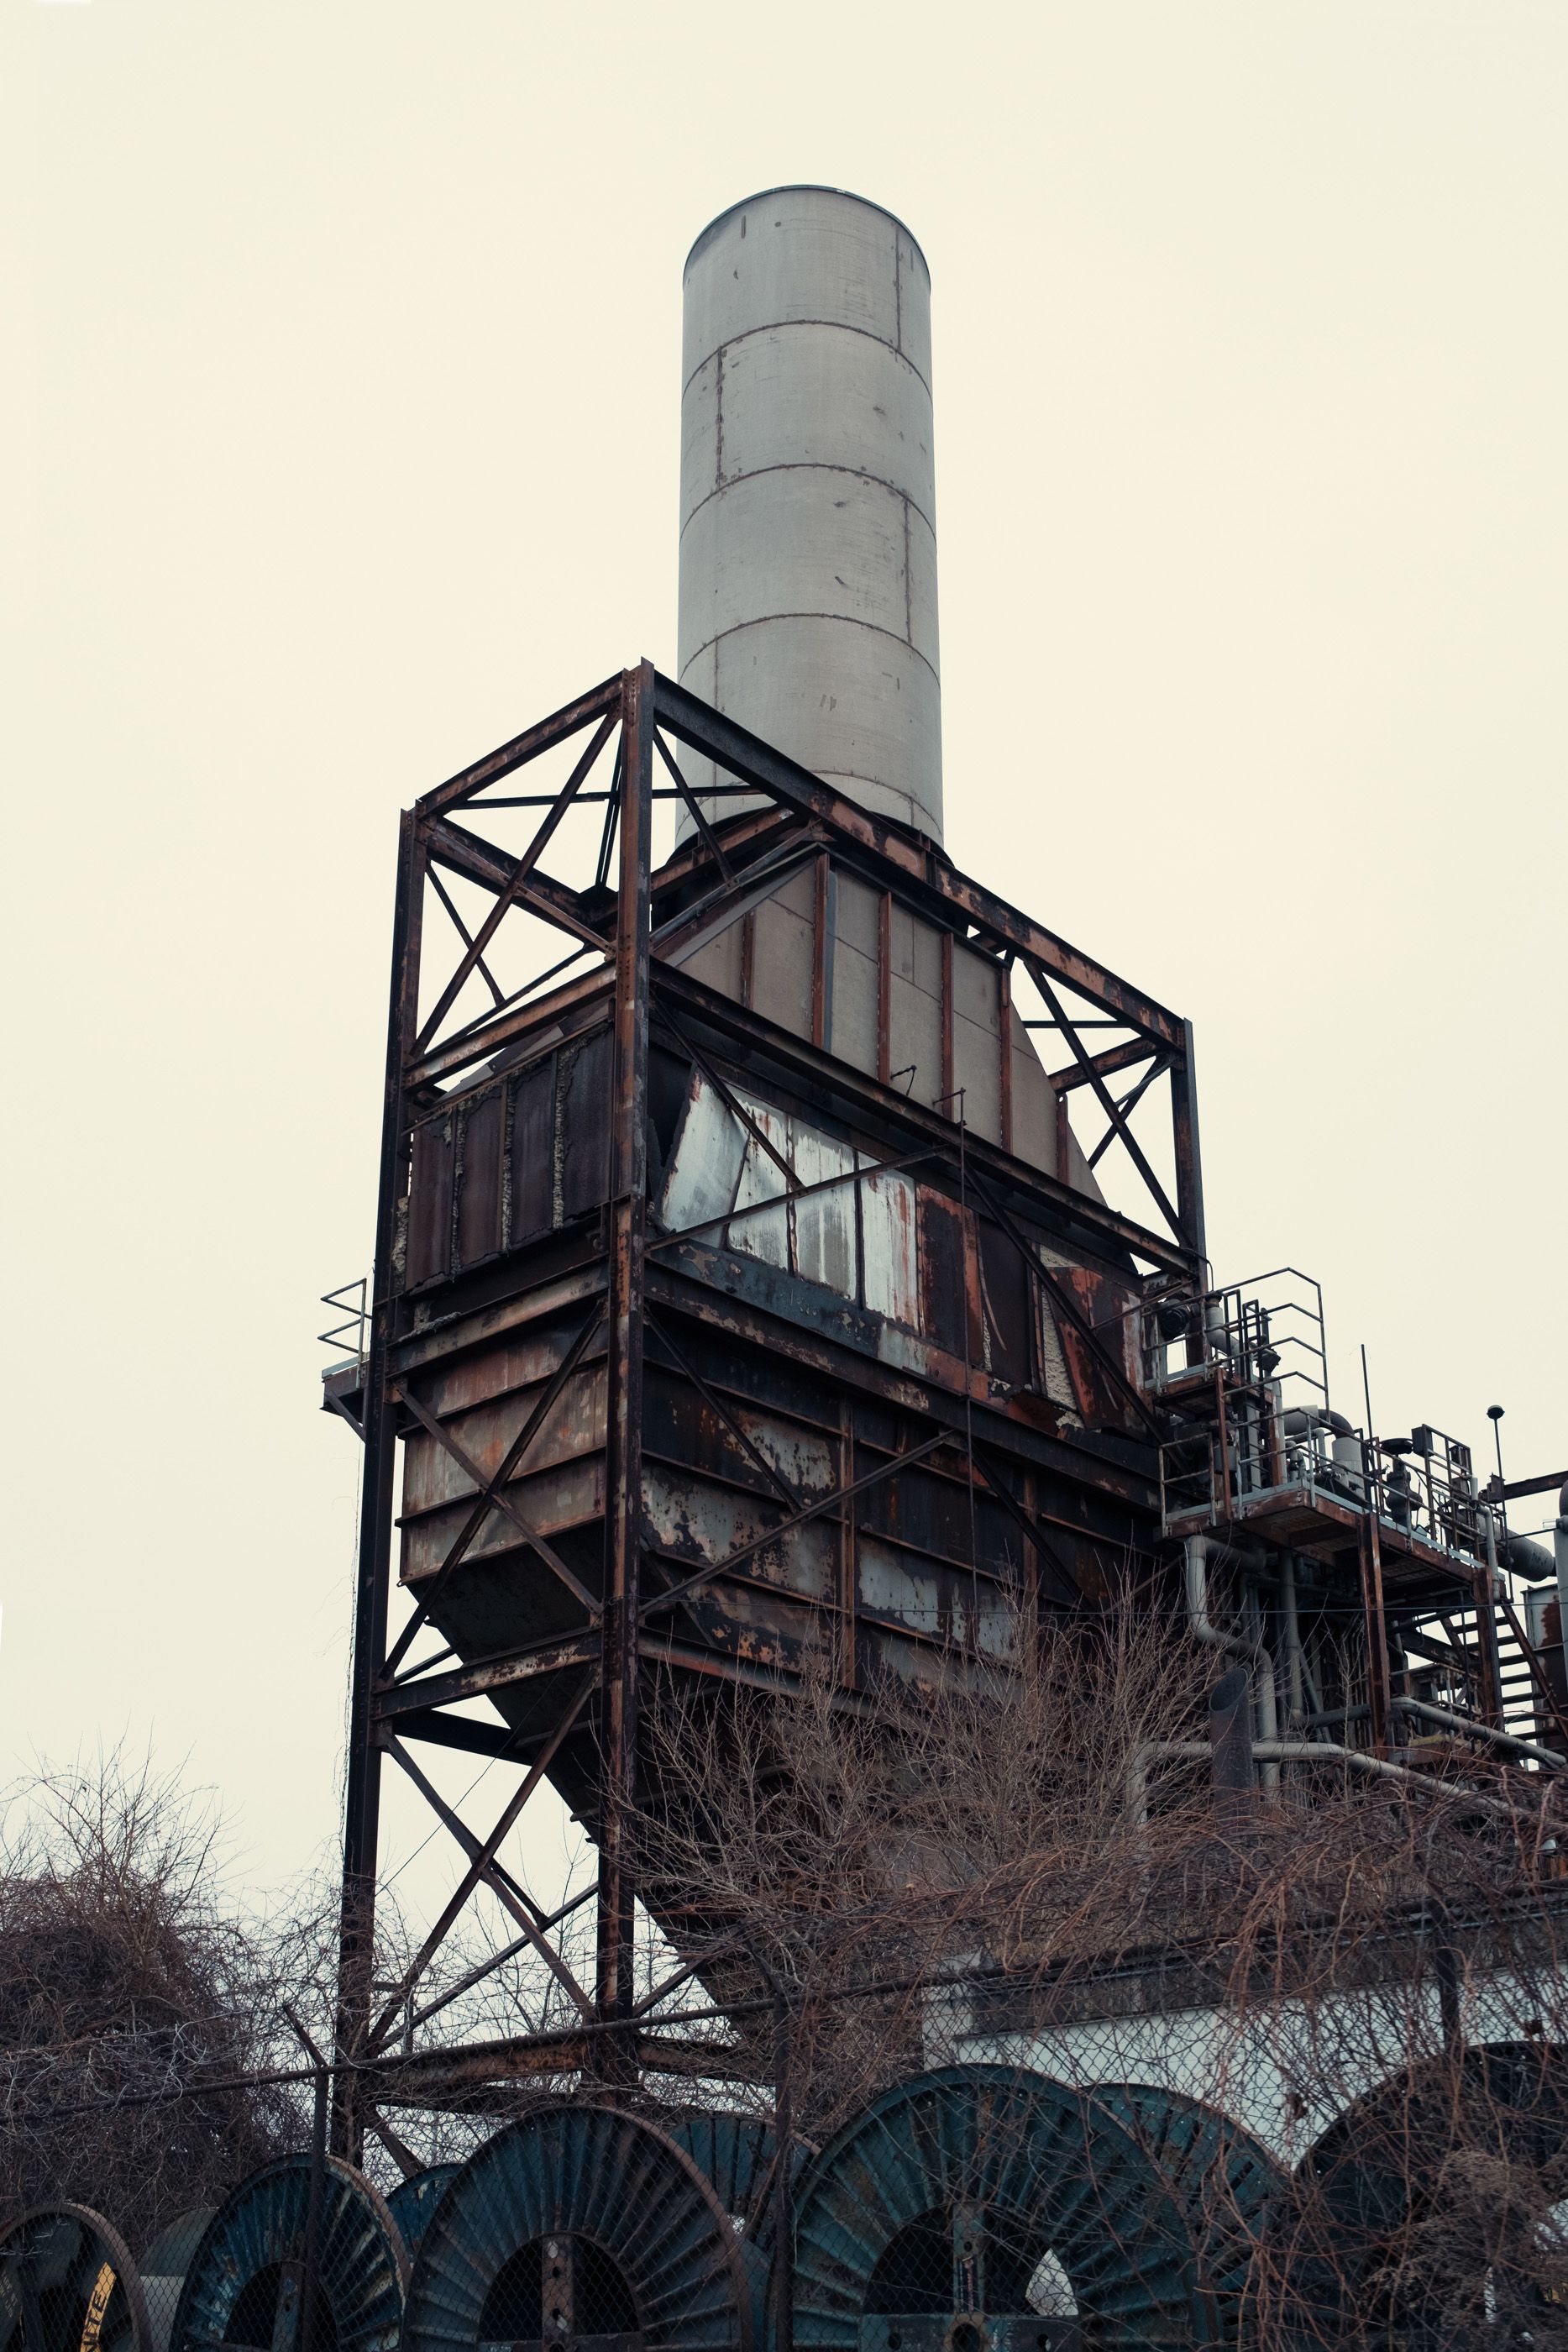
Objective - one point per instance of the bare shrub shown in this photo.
(130, 2003)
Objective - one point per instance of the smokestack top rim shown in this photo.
(797, 188)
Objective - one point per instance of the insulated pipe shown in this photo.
(1285, 1751)
(1203, 1629)
(1560, 1552)
(1293, 1691)
(1527, 1559)
(1231, 1744)
(1452, 1722)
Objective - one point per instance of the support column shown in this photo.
(614, 1990)
(362, 1805)
(1188, 1156)
(1379, 1680)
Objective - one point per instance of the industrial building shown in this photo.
(795, 1252)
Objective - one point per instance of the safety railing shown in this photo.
(1244, 1370)
(350, 1336)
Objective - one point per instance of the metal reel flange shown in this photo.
(164, 2266)
(413, 2201)
(67, 2284)
(578, 2224)
(735, 2155)
(1225, 2182)
(246, 2279)
(1378, 2167)
(988, 2208)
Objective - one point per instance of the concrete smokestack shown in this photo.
(808, 510)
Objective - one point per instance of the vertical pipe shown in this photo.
(623, 1413)
(1293, 1691)
(311, 2269)
(1004, 1026)
(846, 1571)
(1266, 1687)
(1231, 1744)
(1379, 1683)
(1560, 1558)
(361, 1799)
(783, 2177)
(1488, 1579)
(1188, 1155)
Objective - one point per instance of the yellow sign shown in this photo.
(97, 2304)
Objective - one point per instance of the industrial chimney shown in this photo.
(808, 515)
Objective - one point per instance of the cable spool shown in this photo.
(736, 2155)
(579, 2221)
(1224, 2181)
(67, 2284)
(413, 2201)
(982, 2206)
(247, 2274)
(164, 2266)
(1340, 2244)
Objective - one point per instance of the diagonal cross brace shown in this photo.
(489, 1496)
(804, 1193)
(464, 933)
(1129, 1104)
(1106, 1099)
(697, 817)
(828, 1502)
(482, 1865)
(736, 1111)
(774, 1476)
(493, 1499)
(519, 875)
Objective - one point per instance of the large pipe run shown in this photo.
(807, 505)
(1254, 1653)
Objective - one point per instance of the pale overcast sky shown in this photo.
(341, 434)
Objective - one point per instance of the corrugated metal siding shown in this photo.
(784, 954)
(508, 1161)
(853, 1035)
(934, 1044)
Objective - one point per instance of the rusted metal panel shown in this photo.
(1006, 1288)
(532, 1164)
(575, 1426)
(944, 1297)
(430, 1192)
(826, 1226)
(717, 961)
(765, 1233)
(958, 1609)
(691, 1521)
(889, 1247)
(705, 1162)
(856, 993)
(582, 1124)
(572, 1495)
(680, 1426)
(481, 1156)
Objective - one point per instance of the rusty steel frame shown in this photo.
(392, 1701)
